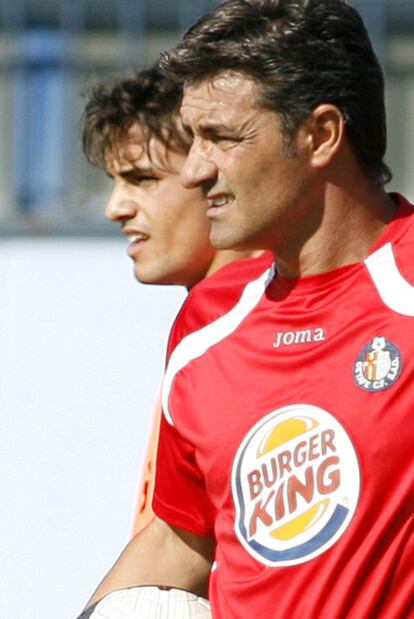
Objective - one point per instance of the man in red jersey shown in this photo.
(132, 130)
(281, 473)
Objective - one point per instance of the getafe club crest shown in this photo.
(295, 484)
(378, 365)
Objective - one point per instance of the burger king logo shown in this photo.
(295, 484)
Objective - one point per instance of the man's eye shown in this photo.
(146, 179)
(139, 179)
(220, 138)
(223, 139)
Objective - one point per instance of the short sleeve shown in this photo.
(180, 496)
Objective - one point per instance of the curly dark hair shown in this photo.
(301, 53)
(148, 98)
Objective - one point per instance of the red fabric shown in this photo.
(210, 300)
(298, 454)
(214, 296)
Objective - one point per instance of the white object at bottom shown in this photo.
(151, 603)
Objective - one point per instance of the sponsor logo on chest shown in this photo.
(295, 484)
(304, 336)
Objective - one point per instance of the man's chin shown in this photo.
(153, 279)
(221, 240)
(144, 277)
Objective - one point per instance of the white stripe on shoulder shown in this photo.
(197, 343)
(394, 290)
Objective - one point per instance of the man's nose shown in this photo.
(120, 206)
(198, 168)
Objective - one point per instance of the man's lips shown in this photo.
(219, 203)
(133, 237)
(136, 241)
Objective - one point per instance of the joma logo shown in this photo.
(299, 337)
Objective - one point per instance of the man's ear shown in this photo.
(326, 126)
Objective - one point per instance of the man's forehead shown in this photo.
(134, 146)
(126, 145)
(137, 134)
(120, 158)
(222, 83)
(141, 149)
(135, 142)
(216, 95)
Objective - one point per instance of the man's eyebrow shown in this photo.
(138, 170)
(207, 127)
(214, 128)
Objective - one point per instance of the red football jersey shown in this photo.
(208, 301)
(288, 433)
(216, 294)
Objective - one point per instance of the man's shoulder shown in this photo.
(231, 278)
(217, 294)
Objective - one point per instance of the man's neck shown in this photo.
(350, 224)
(223, 257)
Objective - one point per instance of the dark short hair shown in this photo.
(113, 107)
(300, 53)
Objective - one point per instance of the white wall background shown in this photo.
(81, 353)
